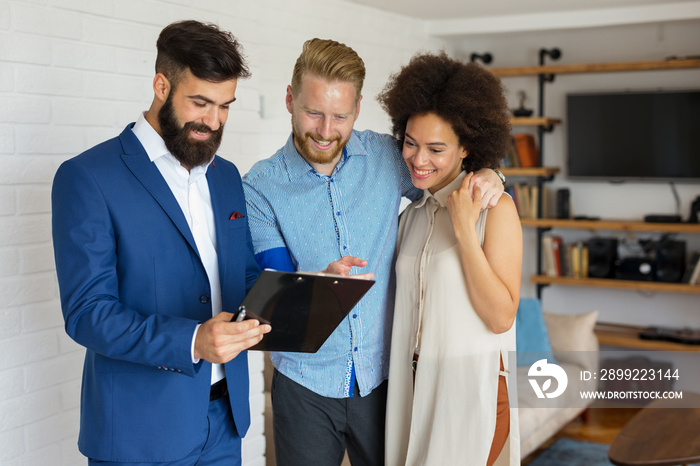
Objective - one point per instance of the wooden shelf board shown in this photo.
(625, 336)
(613, 283)
(534, 121)
(598, 67)
(529, 171)
(626, 225)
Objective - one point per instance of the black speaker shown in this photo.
(670, 261)
(563, 203)
(602, 254)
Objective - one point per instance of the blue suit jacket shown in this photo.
(133, 288)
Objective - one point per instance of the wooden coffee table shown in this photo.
(660, 435)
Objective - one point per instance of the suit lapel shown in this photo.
(147, 173)
(219, 193)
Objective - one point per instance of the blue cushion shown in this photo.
(531, 339)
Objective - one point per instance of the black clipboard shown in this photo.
(303, 308)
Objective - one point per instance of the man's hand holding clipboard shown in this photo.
(304, 308)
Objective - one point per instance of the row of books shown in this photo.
(564, 259)
(525, 198)
(522, 151)
(692, 270)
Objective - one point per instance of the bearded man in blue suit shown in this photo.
(152, 248)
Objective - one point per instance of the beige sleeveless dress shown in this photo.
(450, 416)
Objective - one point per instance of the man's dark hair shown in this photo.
(467, 96)
(207, 51)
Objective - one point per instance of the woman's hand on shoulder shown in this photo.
(464, 208)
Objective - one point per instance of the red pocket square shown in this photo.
(236, 214)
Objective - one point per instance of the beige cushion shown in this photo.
(572, 337)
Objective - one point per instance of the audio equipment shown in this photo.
(634, 268)
(602, 254)
(656, 218)
(670, 261)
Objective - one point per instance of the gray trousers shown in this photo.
(313, 430)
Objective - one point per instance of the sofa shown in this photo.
(574, 348)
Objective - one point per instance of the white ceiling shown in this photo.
(463, 17)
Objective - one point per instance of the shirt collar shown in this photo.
(155, 147)
(151, 141)
(298, 166)
(442, 195)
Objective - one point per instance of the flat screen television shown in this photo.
(646, 136)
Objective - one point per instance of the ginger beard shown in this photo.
(306, 147)
(188, 151)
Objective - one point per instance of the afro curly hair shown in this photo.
(467, 96)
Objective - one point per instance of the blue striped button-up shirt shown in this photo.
(303, 220)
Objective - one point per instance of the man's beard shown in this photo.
(305, 146)
(190, 153)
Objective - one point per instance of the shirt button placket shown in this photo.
(430, 211)
(343, 245)
(344, 248)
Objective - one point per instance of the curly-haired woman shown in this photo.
(457, 271)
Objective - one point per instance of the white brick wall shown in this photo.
(72, 74)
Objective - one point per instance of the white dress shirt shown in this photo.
(191, 190)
